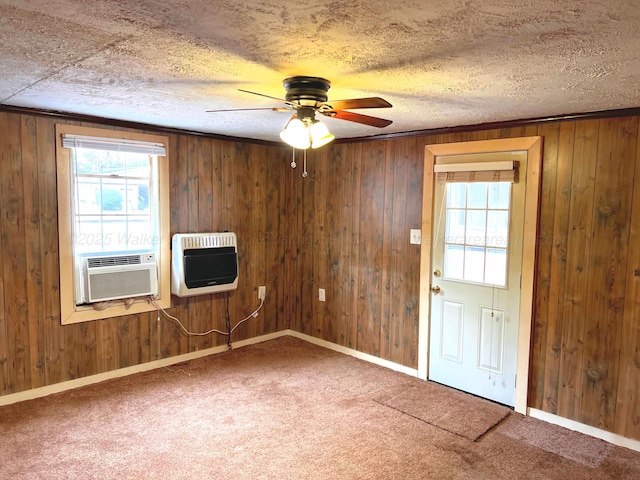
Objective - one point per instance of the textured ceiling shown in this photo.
(440, 63)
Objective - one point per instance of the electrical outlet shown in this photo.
(262, 292)
(321, 295)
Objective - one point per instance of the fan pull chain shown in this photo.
(304, 173)
(293, 160)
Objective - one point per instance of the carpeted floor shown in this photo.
(287, 409)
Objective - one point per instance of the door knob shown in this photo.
(436, 289)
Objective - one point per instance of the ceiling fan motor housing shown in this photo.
(306, 91)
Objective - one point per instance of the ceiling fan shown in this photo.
(307, 96)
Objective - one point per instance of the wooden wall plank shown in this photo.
(276, 240)
(15, 257)
(31, 199)
(557, 274)
(628, 396)
(407, 296)
(371, 234)
(354, 280)
(54, 336)
(5, 387)
(172, 340)
(389, 267)
(242, 299)
(257, 247)
(577, 267)
(607, 271)
(309, 288)
(340, 212)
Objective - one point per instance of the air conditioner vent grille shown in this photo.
(95, 262)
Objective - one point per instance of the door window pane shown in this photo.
(476, 227)
(499, 195)
(474, 264)
(496, 267)
(454, 262)
(497, 228)
(456, 195)
(455, 226)
(477, 196)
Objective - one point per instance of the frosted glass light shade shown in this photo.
(320, 135)
(296, 134)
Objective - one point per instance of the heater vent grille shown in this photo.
(226, 239)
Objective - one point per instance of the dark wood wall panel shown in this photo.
(214, 186)
(586, 334)
(344, 228)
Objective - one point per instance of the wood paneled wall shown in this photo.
(361, 200)
(345, 228)
(215, 186)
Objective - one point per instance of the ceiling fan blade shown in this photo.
(266, 96)
(355, 103)
(274, 109)
(358, 118)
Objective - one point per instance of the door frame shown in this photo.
(533, 147)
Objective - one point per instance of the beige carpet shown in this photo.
(283, 409)
(446, 408)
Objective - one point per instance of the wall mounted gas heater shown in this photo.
(203, 263)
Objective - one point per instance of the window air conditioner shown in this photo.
(119, 276)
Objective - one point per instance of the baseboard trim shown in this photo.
(586, 429)
(123, 372)
(413, 372)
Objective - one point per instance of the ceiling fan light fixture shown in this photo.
(320, 135)
(296, 134)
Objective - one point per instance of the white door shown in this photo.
(475, 283)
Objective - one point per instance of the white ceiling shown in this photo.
(440, 63)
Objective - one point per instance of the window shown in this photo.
(112, 200)
(477, 232)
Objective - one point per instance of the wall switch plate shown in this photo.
(415, 237)
(321, 295)
(262, 292)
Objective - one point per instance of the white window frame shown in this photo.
(70, 312)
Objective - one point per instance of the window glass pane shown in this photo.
(87, 196)
(474, 264)
(476, 227)
(115, 228)
(113, 163)
(86, 161)
(499, 195)
(477, 195)
(455, 226)
(87, 235)
(497, 228)
(139, 234)
(453, 261)
(456, 195)
(113, 195)
(496, 271)
(138, 165)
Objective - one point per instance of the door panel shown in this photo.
(451, 332)
(475, 299)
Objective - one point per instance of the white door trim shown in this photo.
(533, 146)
